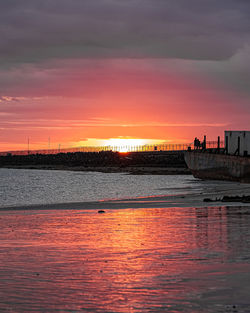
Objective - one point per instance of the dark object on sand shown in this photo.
(232, 199)
(101, 211)
(208, 200)
(211, 200)
(243, 199)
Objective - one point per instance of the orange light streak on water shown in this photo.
(143, 260)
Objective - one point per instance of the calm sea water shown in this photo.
(20, 187)
(26, 187)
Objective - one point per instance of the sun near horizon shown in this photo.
(128, 144)
(120, 144)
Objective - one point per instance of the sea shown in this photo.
(164, 259)
(30, 187)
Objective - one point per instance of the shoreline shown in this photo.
(169, 201)
(214, 191)
(132, 170)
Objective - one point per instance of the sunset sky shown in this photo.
(83, 71)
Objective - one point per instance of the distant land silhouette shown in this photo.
(160, 162)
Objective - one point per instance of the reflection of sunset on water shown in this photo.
(141, 260)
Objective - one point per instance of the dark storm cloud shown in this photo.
(34, 30)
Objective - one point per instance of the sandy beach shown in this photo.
(161, 259)
(170, 252)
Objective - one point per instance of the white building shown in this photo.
(237, 142)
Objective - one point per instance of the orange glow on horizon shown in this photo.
(121, 144)
(123, 103)
(125, 144)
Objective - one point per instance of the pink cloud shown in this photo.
(77, 99)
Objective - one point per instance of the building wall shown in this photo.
(233, 141)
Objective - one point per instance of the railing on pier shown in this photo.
(129, 148)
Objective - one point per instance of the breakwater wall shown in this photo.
(97, 159)
(218, 166)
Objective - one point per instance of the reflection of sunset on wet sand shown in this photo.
(141, 260)
(99, 102)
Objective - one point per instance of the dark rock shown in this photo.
(207, 200)
(101, 211)
(232, 199)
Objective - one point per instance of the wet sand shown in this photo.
(151, 254)
(185, 259)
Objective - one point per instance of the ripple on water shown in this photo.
(143, 260)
